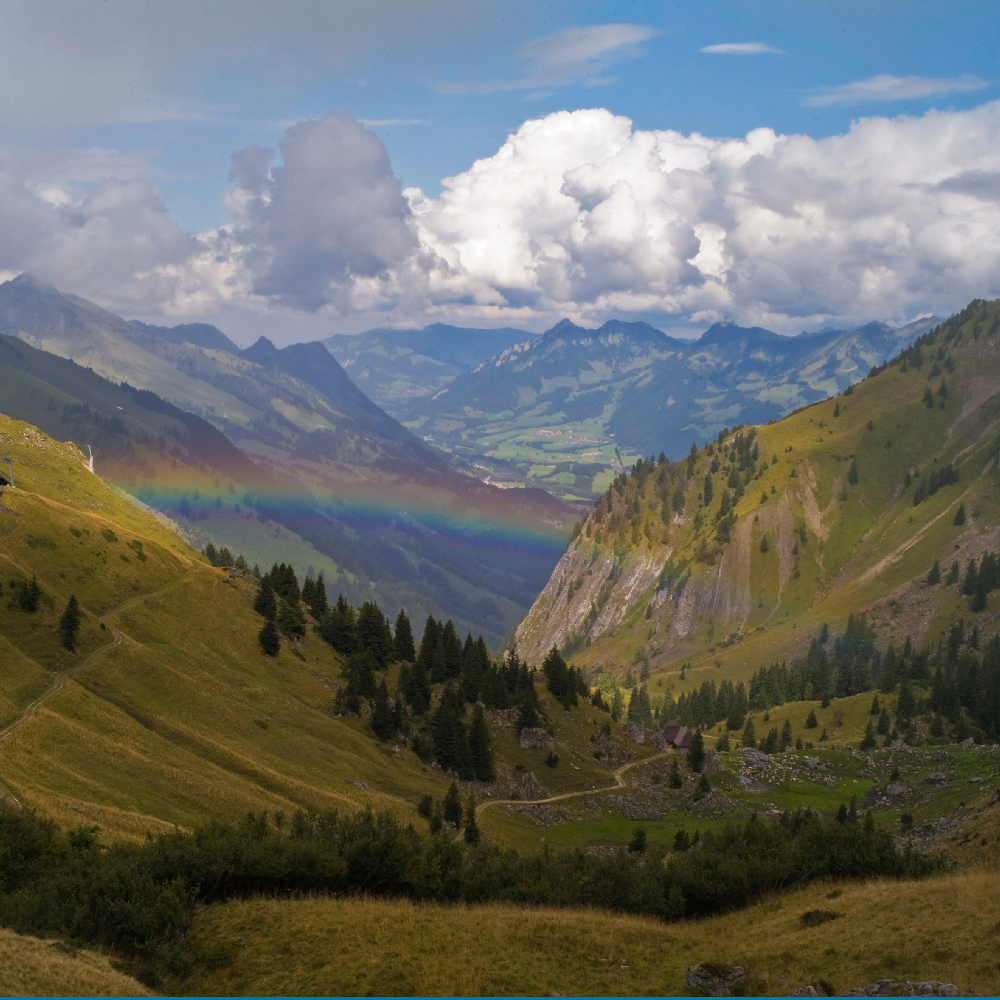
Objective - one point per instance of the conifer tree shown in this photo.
(934, 576)
(403, 639)
(852, 472)
(69, 624)
(638, 843)
(383, 718)
(960, 515)
(291, 621)
(884, 723)
(479, 746)
(722, 743)
(786, 735)
(869, 742)
(373, 633)
(28, 596)
(749, 734)
(318, 602)
(696, 752)
(471, 827)
(953, 574)
(337, 628)
(617, 705)
(265, 603)
(448, 732)
(453, 806)
(417, 691)
(268, 638)
(451, 646)
(436, 820)
(876, 706)
(811, 721)
(527, 711)
(675, 780)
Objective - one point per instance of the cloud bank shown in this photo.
(577, 214)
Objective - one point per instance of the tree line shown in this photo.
(137, 898)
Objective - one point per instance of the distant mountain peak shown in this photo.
(28, 282)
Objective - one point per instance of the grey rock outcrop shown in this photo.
(712, 980)
(536, 739)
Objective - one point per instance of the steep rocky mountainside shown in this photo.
(735, 556)
(347, 488)
(565, 408)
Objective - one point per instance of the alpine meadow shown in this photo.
(473, 542)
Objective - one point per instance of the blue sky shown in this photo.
(122, 119)
(250, 96)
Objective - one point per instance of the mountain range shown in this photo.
(564, 410)
(394, 367)
(347, 489)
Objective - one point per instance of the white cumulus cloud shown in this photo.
(580, 214)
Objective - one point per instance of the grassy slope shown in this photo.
(358, 947)
(169, 725)
(870, 550)
(30, 967)
(184, 718)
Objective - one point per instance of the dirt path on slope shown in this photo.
(569, 795)
(60, 679)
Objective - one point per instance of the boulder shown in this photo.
(968, 744)
(811, 763)
(897, 745)
(712, 763)
(634, 732)
(895, 788)
(712, 980)
(755, 758)
(935, 778)
(536, 738)
(892, 988)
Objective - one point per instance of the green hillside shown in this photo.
(312, 470)
(840, 492)
(564, 410)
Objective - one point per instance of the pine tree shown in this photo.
(371, 631)
(869, 742)
(448, 732)
(852, 472)
(722, 743)
(28, 596)
(749, 734)
(675, 780)
(527, 712)
(876, 706)
(453, 806)
(811, 721)
(69, 624)
(953, 574)
(681, 841)
(884, 723)
(786, 735)
(696, 752)
(960, 515)
(291, 621)
(383, 718)
(337, 628)
(403, 639)
(417, 689)
(764, 545)
(479, 746)
(708, 490)
(617, 705)
(638, 843)
(317, 601)
(265, 603)
(471, 827)
(934, 576)
(436, 820)
(268, 638)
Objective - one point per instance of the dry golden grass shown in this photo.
(31, 967)
(942, 928)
